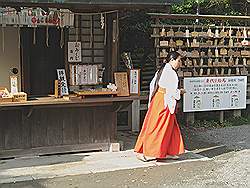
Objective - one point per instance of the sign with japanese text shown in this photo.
(214, 93)
(74, 52)
(62, 77)
(13, 84)
(134, 81)
(34, 17)
(121, 82)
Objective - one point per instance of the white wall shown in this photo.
(10, 57)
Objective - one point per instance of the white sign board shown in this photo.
(134, 81)
(74, 52)
(13, 84)
(62, 77)
(214, 93)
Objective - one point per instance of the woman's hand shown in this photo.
(182, 91)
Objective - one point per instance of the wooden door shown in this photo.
(41, 56)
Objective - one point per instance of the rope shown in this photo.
(3, 39)
(19, 37)
(62, 38)
(47, 36)
(34, 35)
(105, 29)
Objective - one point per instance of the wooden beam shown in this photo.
(196, 26)
(90, 7)
(248, 101)
(221, 116)
(136, 116)
(237, 113)
(194, 16)
(114, 45)
(190, 118)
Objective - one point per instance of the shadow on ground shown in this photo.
(207, 142)
(40, 161)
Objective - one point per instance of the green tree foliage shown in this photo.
(136, 29)
(215, 7)
(210, 7)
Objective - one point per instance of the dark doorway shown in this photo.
(39, 61)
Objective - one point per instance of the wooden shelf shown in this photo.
(206, 57)
(205, 37)
(213, 66)
(244, 47)
(218, 57)
(213, 75)
(195, 26)
(85, 93)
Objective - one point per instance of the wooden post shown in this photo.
(136, 115)
(115, 45)
(221, 116)
(130, 117)
(237, 113)
(157, 42)
(190, 118)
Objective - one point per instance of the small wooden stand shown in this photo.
(83, 94)
(5, 99)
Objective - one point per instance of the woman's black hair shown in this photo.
(171, 56)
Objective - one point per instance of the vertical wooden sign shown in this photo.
(121, 82)
(134, 81)
(62, 77)
(57, 88)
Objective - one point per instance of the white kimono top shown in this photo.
(168, 80)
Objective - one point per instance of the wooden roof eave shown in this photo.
(89, 7)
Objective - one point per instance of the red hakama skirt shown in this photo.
(160, 135)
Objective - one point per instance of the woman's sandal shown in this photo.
(173, 157)
(169, 157)
(144, 159)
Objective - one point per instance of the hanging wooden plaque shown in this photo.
(121, 82)
(74, 52)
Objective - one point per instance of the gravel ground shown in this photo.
(237, 137)
(228, 148)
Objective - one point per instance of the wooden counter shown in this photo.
(47, 125)
(51, 101)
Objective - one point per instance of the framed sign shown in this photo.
(74, 52)
(62, 77)
(134, 81)
(214, 93)
(121, 82)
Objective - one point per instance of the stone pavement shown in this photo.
(44, 167)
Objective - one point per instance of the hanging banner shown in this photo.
(74, 52)
(36, 17)
(214, 93)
